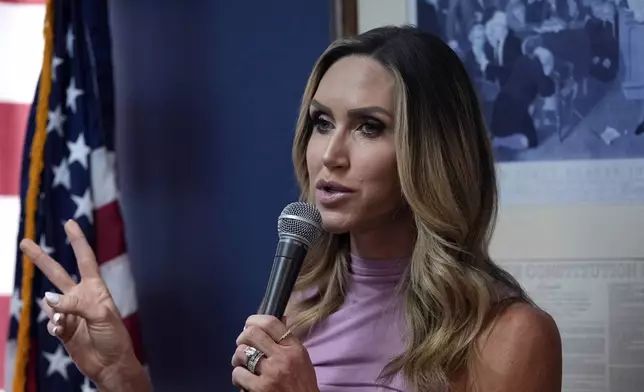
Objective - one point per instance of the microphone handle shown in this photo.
(288, 260)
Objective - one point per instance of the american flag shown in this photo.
(78, 182)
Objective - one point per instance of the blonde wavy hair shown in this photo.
(447, 177)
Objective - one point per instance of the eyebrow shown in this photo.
(364, 111)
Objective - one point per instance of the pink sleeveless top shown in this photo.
(350, 348)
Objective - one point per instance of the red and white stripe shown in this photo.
(111, 251)
(21, 50)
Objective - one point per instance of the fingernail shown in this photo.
(57, 317)
(55, 330)
(72, 229)
(52, 298)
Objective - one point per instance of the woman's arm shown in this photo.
(128, 376)
(520, 351)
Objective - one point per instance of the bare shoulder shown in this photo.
(519, 350)
(520, 330)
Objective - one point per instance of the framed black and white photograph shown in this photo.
(560, 82)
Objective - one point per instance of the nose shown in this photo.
(336, 154)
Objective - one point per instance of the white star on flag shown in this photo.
(58, 362)
(43, 245)
(69, 41)
(84, 205)
(62, 175)
(72, 94)
(54, 64)
(16, 304)
(78, 151)
(87, 387)
(55, 121)
(42, 315)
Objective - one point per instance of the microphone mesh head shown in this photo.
(300, 220)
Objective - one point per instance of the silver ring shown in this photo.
(250, 352)
(252, 362)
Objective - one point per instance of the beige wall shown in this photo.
(374, 13)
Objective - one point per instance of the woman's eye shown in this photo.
(371, 128)
(321, 125)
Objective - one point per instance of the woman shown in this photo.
(400, 293)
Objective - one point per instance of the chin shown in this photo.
(335, 222)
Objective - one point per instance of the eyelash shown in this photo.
(376, 126)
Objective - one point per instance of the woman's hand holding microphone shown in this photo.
(269, 359)
(86, 320)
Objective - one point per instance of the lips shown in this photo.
(331, 194)
(332, 187)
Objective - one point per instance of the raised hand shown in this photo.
(84, 317)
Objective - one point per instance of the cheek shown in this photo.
(313, 161)
(380, 177)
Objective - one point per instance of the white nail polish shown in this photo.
(55, 330)
(57, 317)
(52, 298)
